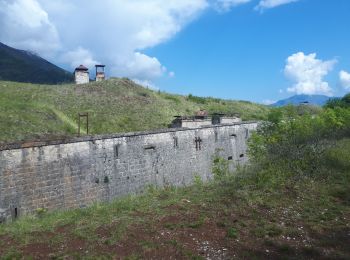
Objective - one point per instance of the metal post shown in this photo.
(87, 122)
(78, 124)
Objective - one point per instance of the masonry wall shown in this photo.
(230, 120)
(77, 173)
(81, 77)
(195, 123)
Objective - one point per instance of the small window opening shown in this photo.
(233, 135)
(16, 213)
(176, 142)
(198, 142)
(216, 136)
(241, 155)
(230, 158)
(116, 151)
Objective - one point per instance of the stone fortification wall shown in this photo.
(196, 123)
(76, 173)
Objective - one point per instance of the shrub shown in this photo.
(297, 142)
(199, 100)
(232, 233)
(220, 167)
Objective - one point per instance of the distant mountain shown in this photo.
(23, 66)
(318, 100)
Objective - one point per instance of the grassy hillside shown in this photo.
(23, 66)
(30, 111)
(250, 215)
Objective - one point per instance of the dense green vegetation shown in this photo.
(343, 102)
(23, 66)
(30, 111)
(298, 141)
(291, 202)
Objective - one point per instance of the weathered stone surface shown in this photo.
(75, 173)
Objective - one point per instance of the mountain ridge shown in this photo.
(318, 100)
(25, 66)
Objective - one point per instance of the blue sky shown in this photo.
(258, 50)
(241, 54)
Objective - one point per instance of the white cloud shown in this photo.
(344, 78)
(115, 32)
(79, 56)
(268, 102)
(139, 66)
(267, 4)
(146, 84)
(226, 5)
(123, 29)
(25, 25)
(308, 74)
(171, 74)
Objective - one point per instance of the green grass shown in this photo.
(30, 111)
(304, 218)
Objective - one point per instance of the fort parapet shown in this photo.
(75, 173)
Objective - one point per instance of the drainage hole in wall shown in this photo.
(149, 147)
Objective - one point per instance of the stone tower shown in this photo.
(81, 75)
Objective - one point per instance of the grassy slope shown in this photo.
(30, 111)
(238, 217)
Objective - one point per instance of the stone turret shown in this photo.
(81, 75)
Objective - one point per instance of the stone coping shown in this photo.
(68, 140)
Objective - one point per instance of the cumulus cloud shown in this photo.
(145, 83)
(25, 25)
(79, 56)
(115, 32)
(123, 29)
(268, 102)
(308, 72)
(226, 5)
(267, 4)
(139, 66)
(344, 78)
